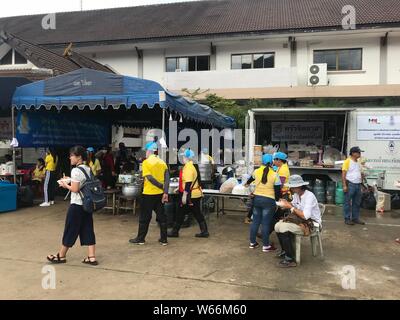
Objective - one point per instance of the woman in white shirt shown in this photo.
(78, 222)
(305, 206)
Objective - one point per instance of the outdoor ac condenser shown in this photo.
(318, 74)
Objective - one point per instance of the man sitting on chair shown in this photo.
(304, 210)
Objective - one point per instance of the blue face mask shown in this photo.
(275, 168)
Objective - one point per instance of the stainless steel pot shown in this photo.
(131, 190)
(206, 171)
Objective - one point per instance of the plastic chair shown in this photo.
(315, 238)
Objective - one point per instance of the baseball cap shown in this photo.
(355, 150)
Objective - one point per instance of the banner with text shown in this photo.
(297, 131)
(378, 127)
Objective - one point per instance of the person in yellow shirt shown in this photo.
(50, 178)
(190, 197)
(155, 193)
(267, 191)
(93, 162)
(280, 161)
(38, 175)
(39, 172)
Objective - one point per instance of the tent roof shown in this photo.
(91, 89)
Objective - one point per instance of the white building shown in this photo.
(238, 49)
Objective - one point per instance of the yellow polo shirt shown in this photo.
(284, 173)
(189, 174)
(155, 167)
(51, 163)
(265, 190)
(95, 167)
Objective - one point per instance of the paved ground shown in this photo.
(221, 267)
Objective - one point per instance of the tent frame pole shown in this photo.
(13, 148)
(163, 155)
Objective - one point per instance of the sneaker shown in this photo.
(247, 220)
(268, 248)
(253, 245)
(359, 222)
(44, 204)
(137, 241)
(163, 242)
(287, 264)
(52, 202)
(349, 222)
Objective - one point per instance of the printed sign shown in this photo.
(297, 131)
(378, 128)
(35, 129)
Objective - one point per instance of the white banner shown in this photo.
(379, 128)
(297, 131)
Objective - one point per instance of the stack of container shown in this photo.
(8, 196)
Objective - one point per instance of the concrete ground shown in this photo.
(221, 267)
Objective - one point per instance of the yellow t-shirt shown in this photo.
(38, 175)
(189, 174)
(266, 190)
(95, 167)
(155, 167)
(51, 163)
(284, 173)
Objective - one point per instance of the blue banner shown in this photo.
(45, 129)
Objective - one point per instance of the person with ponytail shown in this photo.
(267, 191)
(50, 178)
(190, 195)
(79, 223)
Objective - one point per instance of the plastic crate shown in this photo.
(8, 196)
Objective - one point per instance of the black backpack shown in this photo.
(92, 193)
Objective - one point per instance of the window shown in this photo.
(253, 61)
(195, 63)
(340, 59)
(12, 57)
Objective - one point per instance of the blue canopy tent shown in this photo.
(86, 90)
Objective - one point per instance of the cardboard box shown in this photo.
(383, 203)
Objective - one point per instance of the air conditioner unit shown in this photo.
(318, 74)
(178, 70)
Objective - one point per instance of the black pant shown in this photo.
(78, 223)
(50, 186)
(148, 204)
(194, 207)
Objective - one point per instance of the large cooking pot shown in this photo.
(206, 171)
(131, 190)
(173, 184)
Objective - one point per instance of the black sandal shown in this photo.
(92, 263)
(56, 258)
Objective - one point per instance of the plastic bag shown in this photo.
(368, 200)
(396, 201)
(241, 190)
(228, 185)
